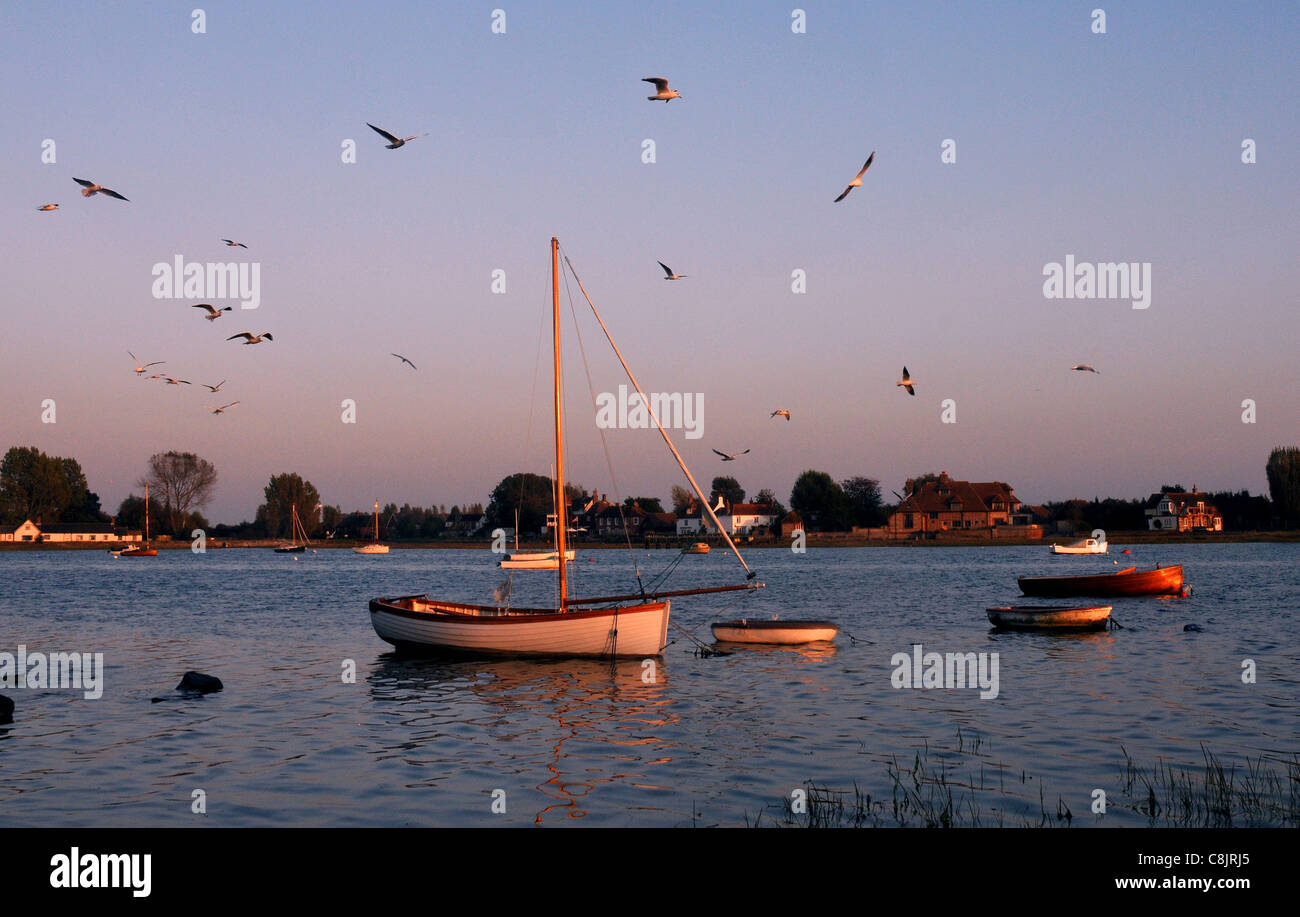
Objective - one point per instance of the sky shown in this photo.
(1122, 146)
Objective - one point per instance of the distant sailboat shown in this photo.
(535, 560)
(295, 529)
(374, 547)
(144, 550)
(607, 626)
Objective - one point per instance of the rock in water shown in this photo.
(6, 709)
(1194, 628)
(198, 683)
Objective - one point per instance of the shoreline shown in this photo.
(815, 540)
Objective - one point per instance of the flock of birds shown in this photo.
(663, 93)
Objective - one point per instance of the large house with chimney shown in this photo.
(947, 504)
(1179, 511)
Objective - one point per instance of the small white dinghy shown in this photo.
(787, 633)
(1050, 617)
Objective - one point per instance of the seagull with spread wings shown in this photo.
(668, 272)
(664, 94)
(89, 188)
(393, 140)
(1084, 368)
(233, 244)
(213, 312)
(404, 360)
(222, 409)
(250, 338)
(781, 413)
(48, 207)
(727, 457)
(213, 388)
(906, 382)
(141, 367)
(857, 179)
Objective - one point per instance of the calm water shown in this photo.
(710, 741)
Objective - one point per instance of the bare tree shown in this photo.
(181, 482)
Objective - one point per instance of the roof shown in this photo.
(1180, 500)
(750, 509)
(943, 495)
(78, 528)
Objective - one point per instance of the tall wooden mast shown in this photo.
(561, 510)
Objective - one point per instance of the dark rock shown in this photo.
(198, 683)
(6, 709)
(1195, 628)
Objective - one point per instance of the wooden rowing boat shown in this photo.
(779, 632)
(1126, 582)
(1054, 617)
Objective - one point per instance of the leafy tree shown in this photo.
(531, 494)
(130, 514)
(283, 493)
(1283, 470)
(87, 510)
(1173, 489)
(37, 486)
(648, 504)
(911, 485)
(820, 502)
(767, 497)
(182, 483)
(681, 499)
(865, 505)
(728, 488)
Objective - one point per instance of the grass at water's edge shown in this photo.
(932, 794)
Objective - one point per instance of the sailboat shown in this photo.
(533, 560)
(604, 626)
(374, 547)
(143, 550)
(295, 529)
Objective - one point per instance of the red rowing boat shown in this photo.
(1127, 582)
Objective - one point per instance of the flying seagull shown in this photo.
(404, 360)
(49, 207)
(857, 179)
(393, 141)
(907, 382)
(213, 388)
(89, 187)
(664, 94)
(781, 413)
(250, 338)
(213, 312)
(222, 409)
(141, 367)
(171, 381)
(1084, 368)
(731, 458)
(233, 243)
(668, 272)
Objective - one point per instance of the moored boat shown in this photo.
(786, 633)
(700, 547)
(622, 625)
(1127, 582)
(295, 528)
(1054, 617)
(375, 547)
(1083, 546)
(535, 560)
(143, 550)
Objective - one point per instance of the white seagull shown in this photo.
(141, 367)
(213, 312)
(906, 382)
(781, 413)
(404, 360)
(394, 141)
(1084, 368)
(89, 188)
(48, 207)
(668, 272)
(726, 457)
(250, 338)
(232, 243)
(664, 94)
(857, 179)
(222, 409)
(213, 388)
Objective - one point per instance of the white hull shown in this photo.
(535, 560)
(371, 549)
(419, 623)
(793, 633)
(1088, 546)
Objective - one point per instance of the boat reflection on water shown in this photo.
(619, 713)
(818, 651)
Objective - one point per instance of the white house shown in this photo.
(67, 532)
